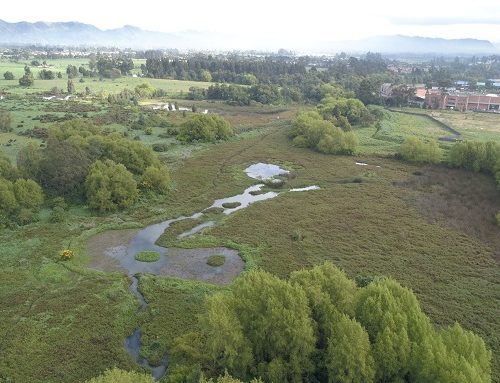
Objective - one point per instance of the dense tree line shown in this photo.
(319, 326)
(478, 157)
(233, 69)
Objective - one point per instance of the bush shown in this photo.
(160, 147)
(8, 75)
(110, 186)
(147, 256)
(156, 179)
(57, 215)
(310, 130)
(206, 128)
(5, 121)
(216, 260)
(119, 376)
(414, 150)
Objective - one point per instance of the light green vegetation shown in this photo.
(171, 87)
(472, 125)
(216, 260)
(320, 324)
(394, 128)
(147, 256)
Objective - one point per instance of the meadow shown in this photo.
(65, 322)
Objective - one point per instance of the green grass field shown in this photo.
(106, 86)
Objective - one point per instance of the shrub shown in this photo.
(119, 376)
(162, 147)
(206, 128)
(5, 121)
(66, 254)
(230, 205)
(57, 215)
(8, 75)
(297, 235)
(147, 256)
(310, 130)
(216, 260)
(156, 179)
(110, 186)
(414, 150)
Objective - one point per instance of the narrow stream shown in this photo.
(145, 240)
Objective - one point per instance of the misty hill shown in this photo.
(79, 34)
(414, 45)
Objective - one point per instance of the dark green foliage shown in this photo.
(413, 149)
(216, 260)
(27, 80)
(231, 205)
(161, 147)
(70, 87)
(8, 75)
(312, 131)
(207, 128)
(110, 186)
(62, 169)
(319, 326)
(5, 121)
(45, 74)
(72, 71)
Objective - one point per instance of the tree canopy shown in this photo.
(207, 128)
(320, 326)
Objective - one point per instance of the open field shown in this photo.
(106, 86)
(472, 125)
(395, 127)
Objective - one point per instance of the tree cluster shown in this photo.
(20, 199)
(319, 326)
(107, 170)
(311, 130)
(477, 157)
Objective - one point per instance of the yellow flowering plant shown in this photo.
(66, 254)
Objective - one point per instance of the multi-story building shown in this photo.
(437, 99)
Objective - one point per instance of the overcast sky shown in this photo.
(286, 22)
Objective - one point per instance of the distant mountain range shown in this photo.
(416, 45)
(79, 34)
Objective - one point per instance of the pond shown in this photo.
(117, 250)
